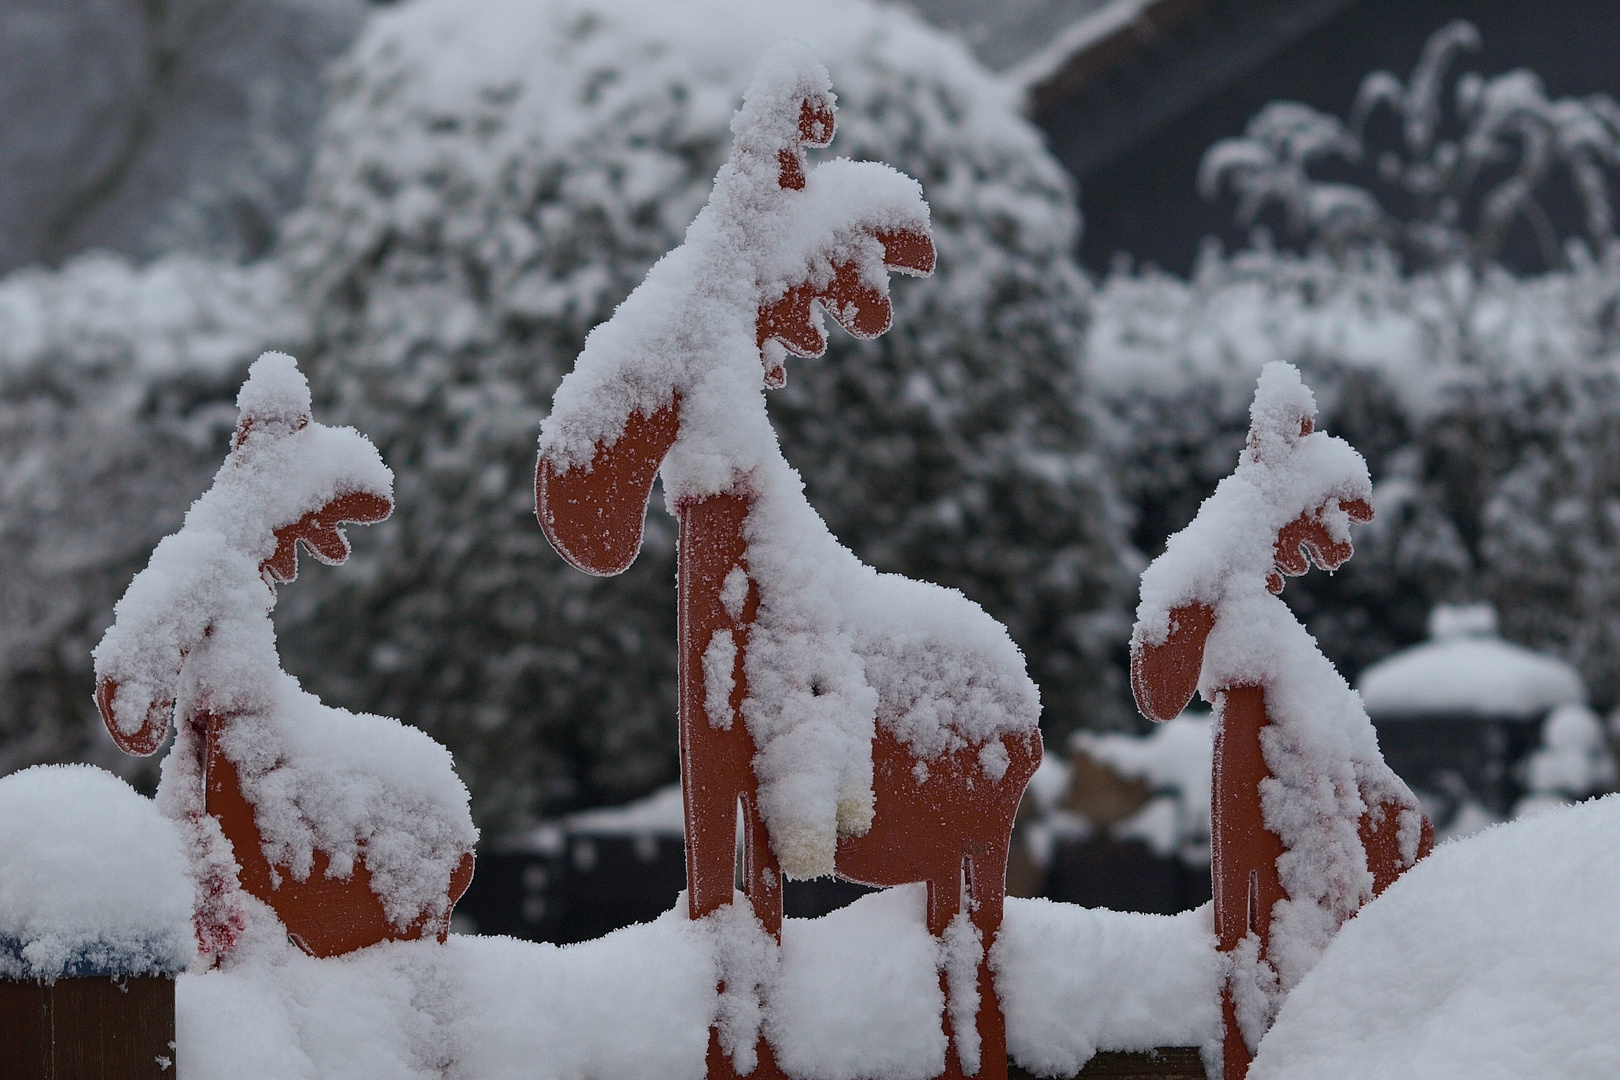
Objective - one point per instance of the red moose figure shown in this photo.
(864, 724)
(353, 829)
(1308, 821)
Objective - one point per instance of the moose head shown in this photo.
(287, 482)
(779, 242)
(1290, 504)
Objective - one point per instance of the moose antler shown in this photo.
(860, 308)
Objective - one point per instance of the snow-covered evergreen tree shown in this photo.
(493, 178)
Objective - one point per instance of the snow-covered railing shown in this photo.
(1307, 822)
(868, 725)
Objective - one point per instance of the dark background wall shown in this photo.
(1145, 201)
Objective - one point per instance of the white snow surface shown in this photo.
(194, 628)
(92, 878)
(837, 647)
(1320, 747)
(850, 995)
(1495, 957)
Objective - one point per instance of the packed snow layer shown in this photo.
(855, 994)
(1495, 957)
(92, 878)
(1485, 676)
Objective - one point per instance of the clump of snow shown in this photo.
(193, 635)
(859, 992)
(853, 994)
(1320, 747)
(1494, 957)
(1466, 668)
(746, 959)
(836, 647)
(92, 878)
(961, 952)
(1075, 980)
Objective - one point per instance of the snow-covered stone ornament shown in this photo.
(867, 725)
(1308, 822)
(353, 829)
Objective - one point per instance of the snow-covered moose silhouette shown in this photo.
(354, 829)
(1308, 821)
(866, 724)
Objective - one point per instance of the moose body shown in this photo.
(800, 702)
(352, 828)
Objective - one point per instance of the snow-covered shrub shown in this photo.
(115, 406)
(1458, 181)
(493, 179)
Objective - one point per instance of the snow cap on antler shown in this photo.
(278, 486)
(790, 104)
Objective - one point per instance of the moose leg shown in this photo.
(944, 901)
(987, 886)
(1244, 866)
(762, 877)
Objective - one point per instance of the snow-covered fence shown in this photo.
(353, 829)
(868, 725)
(95, 914)
(1308, 822)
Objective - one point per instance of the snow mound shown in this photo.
(1495, 957)
(92, 878)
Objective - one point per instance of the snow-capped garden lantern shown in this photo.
(867, 725)
(95, 922)
(1456, 714)
(1307, 822)
(353, 829)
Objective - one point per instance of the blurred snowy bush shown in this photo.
(491, 179)
(1459, 181)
